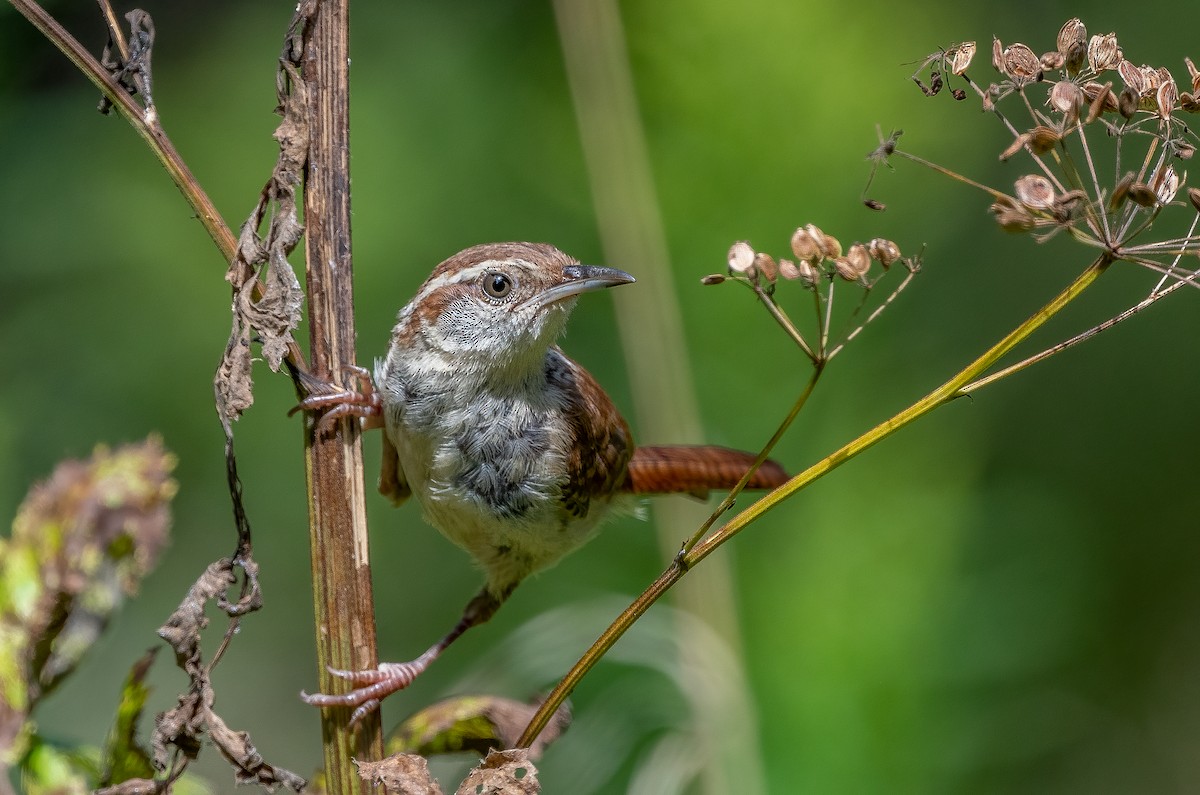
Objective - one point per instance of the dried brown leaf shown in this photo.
(401, 774)
(502, 773)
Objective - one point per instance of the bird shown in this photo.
(513, 451)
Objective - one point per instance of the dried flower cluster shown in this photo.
(819, 257)
(1095, 101)
(820, 261)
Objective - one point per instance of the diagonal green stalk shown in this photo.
(950, 390)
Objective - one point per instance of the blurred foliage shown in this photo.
(1001, 598)
(81, 543)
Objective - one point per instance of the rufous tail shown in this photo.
(696, 469)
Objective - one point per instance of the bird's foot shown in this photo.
(370, 686)
(362, 401)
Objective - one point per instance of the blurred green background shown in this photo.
(999, 599)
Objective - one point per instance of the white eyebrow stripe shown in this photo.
(466, 275)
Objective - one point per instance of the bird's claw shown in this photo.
(362, 401)
(370, 687)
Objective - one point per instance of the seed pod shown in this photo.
(1071, 35)
(788, 270)
(808, 272)
(959, 58)
(1035, 192)
(1017, 145)
(1184, 150)
(818, 237)
(741, 258)
(831, 247)
(1042, 139)
(1142, 195)
(1127, 102)
(1011, 217)
(1188, 102)
(1134, 77)
(1121, 191)
(997, 55)
(1067, 98)
(804, 246)
(1194, 197)
(1103, 52)
(1066, 205)
(1100, 98)
(1165, 185)
(713, 278)
(845, 269)
(884, 250)
(765, 265)
(859, 258)
(1052, 60)
(1021, 64)
(1195, 75)
(1165, 97)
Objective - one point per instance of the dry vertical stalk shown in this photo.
(337, 513)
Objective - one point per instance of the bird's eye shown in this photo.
(497, 285)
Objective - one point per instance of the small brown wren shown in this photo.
(513, 451)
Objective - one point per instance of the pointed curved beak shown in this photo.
(579, 279)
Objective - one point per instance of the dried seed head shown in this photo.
(1020, 64)
(741, 258)
(1194, 197)
(1042, 139)
(1100, 98)
(713, 278)
(1127, 103)
(831, 247)
(765, 265)
(788, 270)
(1121, 191)
(1103, 52)
(1134, 77)
(959, 58)
(1017, 145)
(808, 272)
(1072, 34)
(1011, 217)
(845, 269)
(819, 238)
(884, 250)
(1067, 98)
(804, 246)
(1166, 185)
(1072, 43)
(1035, 192)
(1165, 97)
(859, 258)
(1194, 73)
(1067, 205)
(1052, 60)
(1142, 194)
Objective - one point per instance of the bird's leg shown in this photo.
(373, 685)
(362, 401)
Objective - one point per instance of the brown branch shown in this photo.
(337, 514)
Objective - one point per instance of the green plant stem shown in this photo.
(951, 389)
(727, 503)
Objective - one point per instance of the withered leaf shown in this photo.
(502, 773)
(401, 774)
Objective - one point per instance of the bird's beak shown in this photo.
(582, 279)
